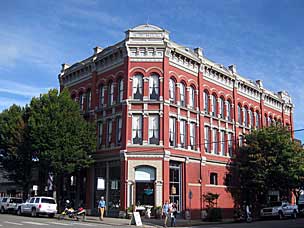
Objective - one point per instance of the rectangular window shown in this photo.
(192, 136)
(230, 143)
(137, 87)
(229, 110)
(182, 94)
(100, 129)
(109, 133)
(172, 132)
(215, 142)
(191, 97)
(241, 140)
(111, 93)
(223, 144)
(207, 139)
(213, 179)
(137, 137)
(154, 129)
(154, 87)
(118, 130)
(183, 133)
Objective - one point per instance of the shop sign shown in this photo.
(148, 191)
(100, 183)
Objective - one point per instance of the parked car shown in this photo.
(301, 204)
(280, 209)
(10, 204)
(39, 205)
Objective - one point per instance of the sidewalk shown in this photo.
(152, 222)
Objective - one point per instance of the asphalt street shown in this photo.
(13, 221)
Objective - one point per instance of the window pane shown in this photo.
(154, 87)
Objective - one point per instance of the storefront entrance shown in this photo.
(145, 191)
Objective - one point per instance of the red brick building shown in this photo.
(168, 120)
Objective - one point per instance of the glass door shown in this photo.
(175, 184)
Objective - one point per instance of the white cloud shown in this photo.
(16, 88)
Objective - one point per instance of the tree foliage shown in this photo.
(62, 139)
(269, 161)
(50, 132)
(16, 156)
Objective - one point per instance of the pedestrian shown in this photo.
(165, 212)
(173, 214)
(101, 207)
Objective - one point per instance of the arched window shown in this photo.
(88, 100)
(214, 106)
(246, 116)
(154, 87)
(110, 93)
(120, 90)
(81, 101)
(101, 96)
(182, 90)
(229, 110)
(191, 97)
(239, 114)
(269, 120)
(222, 105)
(251, 117)
(206, 102)
(265, 120)
(257, 120)
(172, 86)
(138, 87)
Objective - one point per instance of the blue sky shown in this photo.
(264, 38)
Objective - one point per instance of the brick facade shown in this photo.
(168, 110)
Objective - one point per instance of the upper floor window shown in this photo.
(172, 86)
(154, 87)
(137, 135)
(257, 120)
(213, 178)
(265, 120)
(172, 131)
(100, 129)
(269, 121)
(230, 143)
(241, 140)
(214, 106)
(229, 110)
(215, 141)
(138, 87)
(182, 90)
(109, 133)
(101, 96)
(81, 101)
(223, 143)
(207, 139)
(154, 129)
(192, 136)
(120, 90)
(183, 133)
(246, 116)
(111, 93)
(251, 117)
(239, 114)
(88, 100)
(191, 97)
(222, 105)
(118, 130)
(206, 102)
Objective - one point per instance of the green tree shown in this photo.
(269, 160)
(62, 140)
(16, 156)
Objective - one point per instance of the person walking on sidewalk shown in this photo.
(101, 207)
(166, 212)
(173, 214)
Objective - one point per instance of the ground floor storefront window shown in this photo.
(176, 184)
(107, 184)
